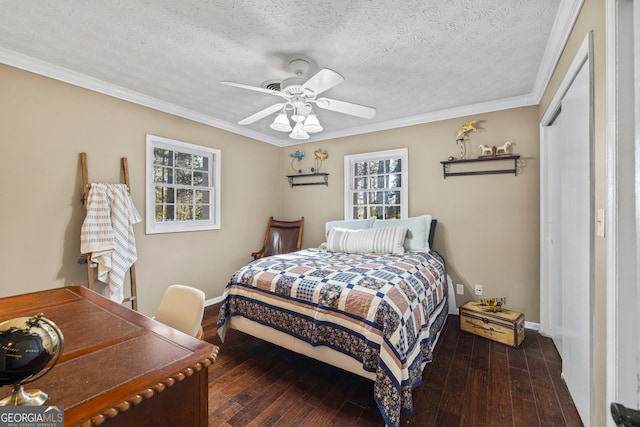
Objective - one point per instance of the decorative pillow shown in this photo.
(417, 239)
(388, 240)
(354, 224)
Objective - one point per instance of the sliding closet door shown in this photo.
(576, 236)
(567, 228)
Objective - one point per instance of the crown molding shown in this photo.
(562, 26)
(65, 75)
(452, 113)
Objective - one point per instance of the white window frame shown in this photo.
(351, 160)
(213, 185)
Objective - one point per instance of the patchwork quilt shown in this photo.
(385, 311)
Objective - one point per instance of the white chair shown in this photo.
(182, 308)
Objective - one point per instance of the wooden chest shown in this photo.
(505, 326)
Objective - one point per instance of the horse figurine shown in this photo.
(487, 151)
(503, 150)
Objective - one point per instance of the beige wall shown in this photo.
(45, 124)
(488, 225)
(592, 18)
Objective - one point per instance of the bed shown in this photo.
(372, 301)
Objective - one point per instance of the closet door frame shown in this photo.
(623, 215)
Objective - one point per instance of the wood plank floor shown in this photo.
(471, 382)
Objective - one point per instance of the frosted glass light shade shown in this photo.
(298, 133)
(311, 124)
(281, 123)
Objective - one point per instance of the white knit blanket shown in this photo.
(107, 234)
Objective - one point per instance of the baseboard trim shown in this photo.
(213, 301)
(532, 325)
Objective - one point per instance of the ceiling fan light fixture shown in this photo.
(281, 123)
(299, 93)
(311, 124)
(298, 132)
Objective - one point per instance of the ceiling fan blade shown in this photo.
(346, 107)
(261, 114)
(256, 88)
(323, 80)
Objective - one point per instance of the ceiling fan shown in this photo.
(300, 95)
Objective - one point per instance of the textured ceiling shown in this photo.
(414, 61)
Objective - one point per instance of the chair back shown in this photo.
(283, 236)
(182, 308)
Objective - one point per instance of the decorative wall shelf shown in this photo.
(315, 179)
(447, 164)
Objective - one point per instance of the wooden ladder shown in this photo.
(86, 185)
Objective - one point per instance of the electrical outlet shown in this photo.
(460, 289)
(479, 290)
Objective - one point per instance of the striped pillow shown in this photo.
(388, 240)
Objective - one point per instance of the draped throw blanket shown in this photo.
(107, 233)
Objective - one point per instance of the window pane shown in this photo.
(183, 160)
(360, 183)
(361, 169)
(392, 198)
(395, 181)
(202, 212)
(376, 167)
(184, 212)
(159, 213)
(199, 179)
(359, 198)
(164, 195)
(393, 212)
(360, 212)
(162, 157)
(394, 165)
(183, 177)
(377, 181)
(164, 212)
(376, 211)
(376, 198)
(163, 175)
(203, 197)
(200, 163)
(184, 196)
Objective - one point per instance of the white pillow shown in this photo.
(353, 224)
(388, 240)
(417, 239)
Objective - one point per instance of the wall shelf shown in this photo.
(316, 179)
(447, 164)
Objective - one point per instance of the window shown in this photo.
(183, 186)
(376, 185)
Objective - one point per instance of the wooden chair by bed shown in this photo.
(281, 237)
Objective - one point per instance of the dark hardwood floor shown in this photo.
(471, 382)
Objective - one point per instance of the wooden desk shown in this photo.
(118, 366)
